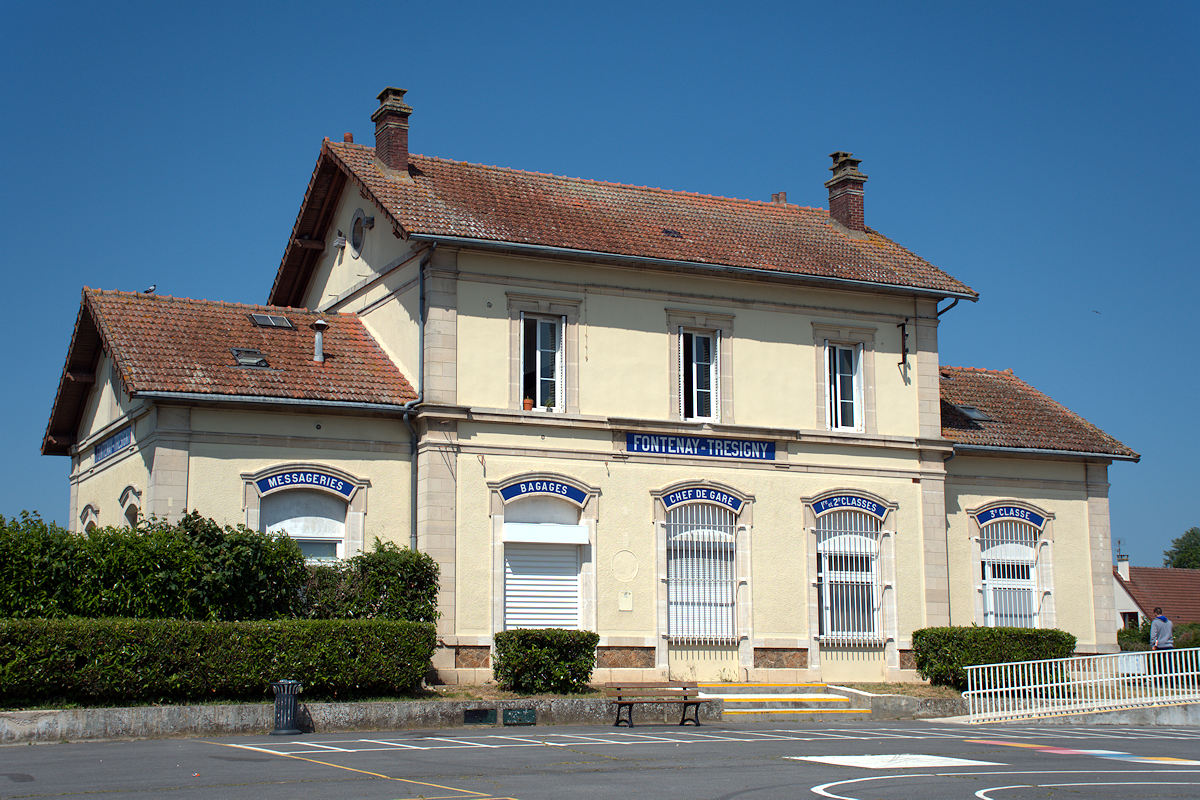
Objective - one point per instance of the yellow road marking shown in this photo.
(352, 769)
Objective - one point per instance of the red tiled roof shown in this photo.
(1176, 591)
(494, 204)
(171, 344)
(1020, 416)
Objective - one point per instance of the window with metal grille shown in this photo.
(1009, 570)
(845, 386)
(698, 375)
(542, 361)
(848, 583)
(700, 574)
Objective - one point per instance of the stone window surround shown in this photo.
(90, 515)
(588, 515)
(356, 506)
(1047, 618)
(130, 497)
(887, 578)
(564, 307)
(845, 335)
(743, 599)
(701, 322)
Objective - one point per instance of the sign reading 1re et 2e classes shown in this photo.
(1010, 512)
(849, 501)
(700, 446)
(305, 479)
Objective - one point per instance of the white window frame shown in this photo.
(849, 534)
(689, 368)
(538, 397)
(835, 384)
(1014, 547)
(701, 572)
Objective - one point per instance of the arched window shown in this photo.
(701, 586)
(849, 589)
(1008, 555)
(131, 502)
(315, 519)
(542, 538)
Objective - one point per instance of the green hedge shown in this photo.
(123, 660)
(942, 653)
(543, 660)
(389, 582)
(192, 569)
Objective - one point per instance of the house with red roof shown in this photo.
(1140, 590)
(715, 431)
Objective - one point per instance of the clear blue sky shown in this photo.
(1044, 153)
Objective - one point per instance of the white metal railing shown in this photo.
(1082, 684)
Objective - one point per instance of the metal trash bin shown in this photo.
(285, 707)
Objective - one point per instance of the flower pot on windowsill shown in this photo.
(528, 404)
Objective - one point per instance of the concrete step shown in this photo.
(750, 701)
(762, 688)
(796, 713)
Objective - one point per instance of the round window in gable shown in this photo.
(358, 231)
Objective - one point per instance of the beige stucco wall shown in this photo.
(225, 444)
(625, 352)
(1057, 488)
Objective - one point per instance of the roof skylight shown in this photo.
(271, 321)
(974, 413)
(247, 357)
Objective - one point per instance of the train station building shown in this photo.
(715, 431)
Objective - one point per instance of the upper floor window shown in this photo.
(845, 386)
(699, 375)
(543, 351)
(542, 361)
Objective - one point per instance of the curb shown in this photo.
(257, 719)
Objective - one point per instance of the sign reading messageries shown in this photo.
(700, 446)
(305, 479)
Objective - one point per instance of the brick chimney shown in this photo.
(846, 191)
(1123, 566)
(391, 129)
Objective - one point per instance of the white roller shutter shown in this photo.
(541, 586)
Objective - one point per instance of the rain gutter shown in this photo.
(1040, 451)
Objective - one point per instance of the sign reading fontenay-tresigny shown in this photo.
(558, 488)
(849, 501)
(1010, 512)
(702, 446)
(112, 444)
(305, 479)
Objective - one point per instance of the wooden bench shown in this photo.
(681, 693)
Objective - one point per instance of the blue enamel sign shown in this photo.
(848, 501)
(702, 494)
(114, 443)
(1010, 512)
(556, 488)
(305, 479)
(702, 446)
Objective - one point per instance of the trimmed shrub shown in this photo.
(124, 660)
(192, 569)
(387, 583)
(1187, 634)
(543, 660)
(942, 653)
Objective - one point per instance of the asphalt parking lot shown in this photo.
(860, 761)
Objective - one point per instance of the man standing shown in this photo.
(1162, 637)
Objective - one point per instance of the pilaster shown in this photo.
(437, 488)
(167, 495)
(1100, 546)
(440, 381)
(935, 543)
